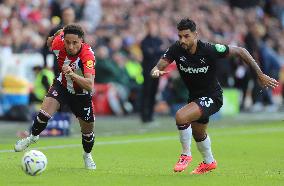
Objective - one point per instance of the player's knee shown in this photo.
(181, 119)
(88, 137)
(43, 117)
(183, 127)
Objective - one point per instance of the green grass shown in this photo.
(247, 154)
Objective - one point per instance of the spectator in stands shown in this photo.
(271, 66)
(114, 73)
(151, 49)
(135, 72)
(123, 82)
(43, 80)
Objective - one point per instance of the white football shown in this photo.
(34, 162)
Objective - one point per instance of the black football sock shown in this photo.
(88, 141)
(40, 122)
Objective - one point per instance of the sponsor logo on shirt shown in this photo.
(191, 70)
(182, 58)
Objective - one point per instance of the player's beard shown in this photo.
(186, 46)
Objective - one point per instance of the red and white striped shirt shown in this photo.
(81, 64)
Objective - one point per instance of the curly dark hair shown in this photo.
(185, 24)
(74, 29)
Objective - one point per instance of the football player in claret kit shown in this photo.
(73, 87)
(196, 63)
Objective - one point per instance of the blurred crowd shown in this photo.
(129, 36)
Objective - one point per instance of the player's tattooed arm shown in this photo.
(158, 70)
(264, 80)
(245, 56)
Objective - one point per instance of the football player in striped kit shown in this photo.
(73, 87)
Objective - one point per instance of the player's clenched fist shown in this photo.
(66, 69)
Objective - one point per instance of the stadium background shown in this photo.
(115, 30)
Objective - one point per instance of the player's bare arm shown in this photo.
(51, 38)
(158, 70)
(264, 80)
(86, 82)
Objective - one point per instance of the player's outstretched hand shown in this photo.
(158, 73)
(267, 82)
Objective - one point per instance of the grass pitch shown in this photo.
(128, 153)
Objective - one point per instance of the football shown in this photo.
(34, 162)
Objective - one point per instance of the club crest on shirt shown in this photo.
(182, 58)
(90, 64)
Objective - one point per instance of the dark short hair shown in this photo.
(74, 29)
(186, 24)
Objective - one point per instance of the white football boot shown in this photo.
(22, 144)
(89, 162)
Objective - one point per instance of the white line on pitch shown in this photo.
(223, 133)
(102, 143)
